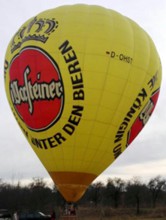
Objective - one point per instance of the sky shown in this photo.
(145, 157)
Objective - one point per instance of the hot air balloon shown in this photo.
(81, 81)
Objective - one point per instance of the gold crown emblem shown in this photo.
(37, 29)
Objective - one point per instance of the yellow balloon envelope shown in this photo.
(82, 81)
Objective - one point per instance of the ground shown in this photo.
(98, 213)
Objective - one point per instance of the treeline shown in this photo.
(116, 193)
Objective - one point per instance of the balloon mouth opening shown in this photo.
(72, 185)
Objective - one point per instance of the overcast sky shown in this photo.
(146, 156)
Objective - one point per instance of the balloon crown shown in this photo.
(36, 29)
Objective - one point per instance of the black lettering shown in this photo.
(52, 142)
(77, 110)
(74, 67)
(143, 94)
(126, 119)
(112, 54)
(117, 150)
(78, 95)
(76, 79)
(44, 143)
(152, 81)
(49, 142)
(119, 136)
(69, 128)
(123, 126)
(70, 56)
(36, 142)
(131, 112)
(121, 57)
(59, 138)
(74, 120)
(137, 103)
(65, 47)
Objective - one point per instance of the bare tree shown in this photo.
(114, 189)
(95, 193)
(156, 185)
(135, 191)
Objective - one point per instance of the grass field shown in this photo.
(113, 218)
(122, 218)
(91, 213)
